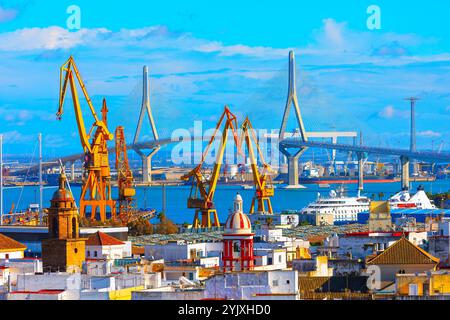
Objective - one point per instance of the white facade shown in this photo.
(98, 267)
(106, 252)
(278, 220)
(14, 254)
(365, 244)
(444, 227)
(270, 259)
(168, 293)
(4, 275)
(181, 250)
(54, 286)
(253, 285)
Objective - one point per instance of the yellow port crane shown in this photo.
(124, 178)
(96, 189)
(203, 189)
(263, 187)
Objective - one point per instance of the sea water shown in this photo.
(176, 196)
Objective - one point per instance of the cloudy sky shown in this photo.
(205, 54)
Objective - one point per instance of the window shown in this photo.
(74, 228)
(279, 258)
(275, 283)
(413, 289)
(75, 250)
(88, 253)
(288, 281)
(95, 253)
(55, 227)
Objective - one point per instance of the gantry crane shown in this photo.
(263, 187)
(124, 178)
(96, 189)
(203, 189)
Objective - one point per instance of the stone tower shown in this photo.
(64, 250)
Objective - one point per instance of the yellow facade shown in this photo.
(123, 294)
(404, 281)
(303, 253)
(434, 284)
(440, 284)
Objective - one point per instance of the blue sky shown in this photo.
(204, 54)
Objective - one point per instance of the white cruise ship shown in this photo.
(344, 209)
(404, 200)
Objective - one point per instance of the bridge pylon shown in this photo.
(292, 99)
(146, 109)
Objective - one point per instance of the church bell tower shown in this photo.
(64, 250)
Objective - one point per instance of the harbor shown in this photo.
(176, 161)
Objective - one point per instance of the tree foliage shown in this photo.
(140, 227)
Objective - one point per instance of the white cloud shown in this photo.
(7, 14)
(21, 117)
(333, 32)
(387, 112)
(53, 38)
(16, 137)
(341, 70)
(50, 38)
(429, 134)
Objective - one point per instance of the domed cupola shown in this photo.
(238, 222)
(238, 240)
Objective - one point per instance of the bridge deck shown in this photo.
(419, 155)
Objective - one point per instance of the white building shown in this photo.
(253, 285)
(169, 293)
(10, 248)
(182, 250)
(277, 220)
(53, 286)
(270, 259)
(362, 244)
(444, 227)
(103, 246)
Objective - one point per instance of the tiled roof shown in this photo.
(6, 243)
(403, 252)
(337, 284)
(336, 296)
(102, 239)
(137, 250)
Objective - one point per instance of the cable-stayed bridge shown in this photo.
(291, 145)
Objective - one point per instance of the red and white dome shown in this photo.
(238, 222)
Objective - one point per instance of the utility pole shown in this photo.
(360, 167)
(412, 146)
(164, 198)
(41, 187)
(1, 179)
